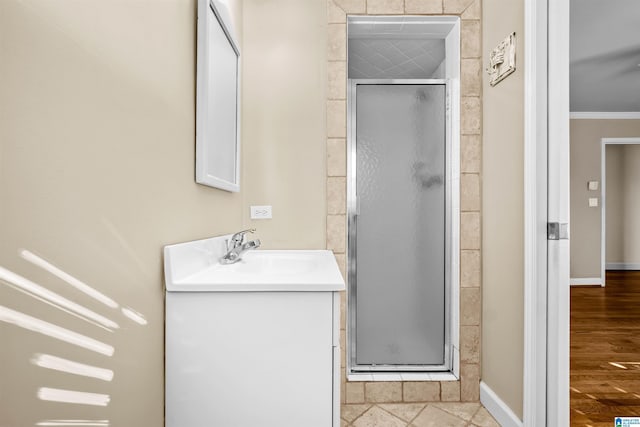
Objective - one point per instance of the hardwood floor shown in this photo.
(605, 350)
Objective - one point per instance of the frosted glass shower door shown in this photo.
(397, 230)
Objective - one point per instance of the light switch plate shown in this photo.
(593, 202)
(593, 185)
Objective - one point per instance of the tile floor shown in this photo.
(417, 415)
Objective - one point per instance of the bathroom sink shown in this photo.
(271, 320)
(195, 267)
(273, 263)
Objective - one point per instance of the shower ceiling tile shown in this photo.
(395, 71)
(356, 73)
(410, 67)
(395, 58)
(434, 47)
(409, 47)
(359, 62)
(362, 47)
(427, 63)
(380, 61)
(394, 54)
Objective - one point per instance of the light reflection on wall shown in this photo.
(64, 365)
(54, 299)
(71, 423)
(38, 261)
(76, 283)
(54, 331)
(72, 396)
(59, 364)
(134, 315)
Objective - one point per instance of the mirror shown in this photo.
(217, 101)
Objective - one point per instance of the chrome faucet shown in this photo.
(236, 246)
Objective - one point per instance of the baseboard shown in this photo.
(497, 408)
(585, 281)
(622, 266)
(592, 115)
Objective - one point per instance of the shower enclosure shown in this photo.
(402, 218)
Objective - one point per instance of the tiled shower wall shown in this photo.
(467, 389)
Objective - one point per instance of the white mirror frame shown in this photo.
(217, 144)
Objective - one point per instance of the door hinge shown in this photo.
(557, 231)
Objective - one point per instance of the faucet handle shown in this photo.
(238, 237)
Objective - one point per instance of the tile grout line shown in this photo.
(390, 413)
(480, 406)
(360, 416)
(419, 412)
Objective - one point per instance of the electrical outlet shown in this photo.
(261, 212)
(593, 185)
(593, 202)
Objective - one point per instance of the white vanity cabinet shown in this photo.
(260, 355)
(252, 359)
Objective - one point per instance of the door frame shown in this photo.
(603, 198)
(546, 263)
(451, 367)
(535, 211)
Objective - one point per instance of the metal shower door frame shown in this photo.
(451, 234)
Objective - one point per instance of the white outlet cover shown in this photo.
(593, 185)
(593, 202)
(261, 212)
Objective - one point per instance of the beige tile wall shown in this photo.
(467, 389)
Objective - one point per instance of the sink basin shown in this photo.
(273, 263)
(195, 267)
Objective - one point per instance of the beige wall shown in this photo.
(585, 166)
(97, 110)
(631, 187)
(623, 204)
(283, 126)
(503, 212)
(615, 203)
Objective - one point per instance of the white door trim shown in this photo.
(558, 211)
(546, 20)
(535, 211)
(603, 198)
